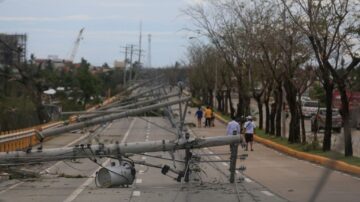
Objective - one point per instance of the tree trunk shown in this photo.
(267, 117)
(231, 107)
(261, 115)
(219, 98)
(302, 124)
(279, 102)
(294, 126)
(211, 98)
(328, 86)
(272, 119)
(267, 108)
(346, 118)
(243, 101)
(226, 103)
(260, 109)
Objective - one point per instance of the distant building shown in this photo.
(56, 62)
(119, 64)
(12, 48)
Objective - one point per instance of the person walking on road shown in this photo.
(208, 113)
(233, 127)
(199, 116)
(249, 127)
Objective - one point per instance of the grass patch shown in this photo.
(310, 148)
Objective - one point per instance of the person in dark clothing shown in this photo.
(199, 116)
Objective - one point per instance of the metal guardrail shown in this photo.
(24, 138)
(15, 136)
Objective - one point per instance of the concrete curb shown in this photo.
(221, 119)
(334, 164)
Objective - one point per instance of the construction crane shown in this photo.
(76, 45)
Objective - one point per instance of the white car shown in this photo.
(310, 108)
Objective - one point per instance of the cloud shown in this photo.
(59, 18)
(192, 2)
(112, 4)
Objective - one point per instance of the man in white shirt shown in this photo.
(233, 127)
(249, 127)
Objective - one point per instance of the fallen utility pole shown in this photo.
(113, 150)
(137, 96)
(119, 109)
(50, 132)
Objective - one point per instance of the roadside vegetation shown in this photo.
(312, 148)
(23, 102)
(276, 52)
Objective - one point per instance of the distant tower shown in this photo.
(140, 38)
(149, 51)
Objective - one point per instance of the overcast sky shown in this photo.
(53, 25)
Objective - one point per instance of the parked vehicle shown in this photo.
(309, 108)
(318, 120)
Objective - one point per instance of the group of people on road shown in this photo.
(208, 114)
(233, 127)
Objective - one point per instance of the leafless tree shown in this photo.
(332, 28)
(217, 21)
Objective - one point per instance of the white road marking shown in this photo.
(136, 193)
(237, 172)
(71, 143)
(225, 164)
(141, 172)
(267, 193)
(83, 186)
(210, 152)
(247, 179)
(217, 157)
(138, 181)
(47, 170)
(12, 187)
(143, 158)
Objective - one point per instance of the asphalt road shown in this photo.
(74, 180)
(270, 176)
